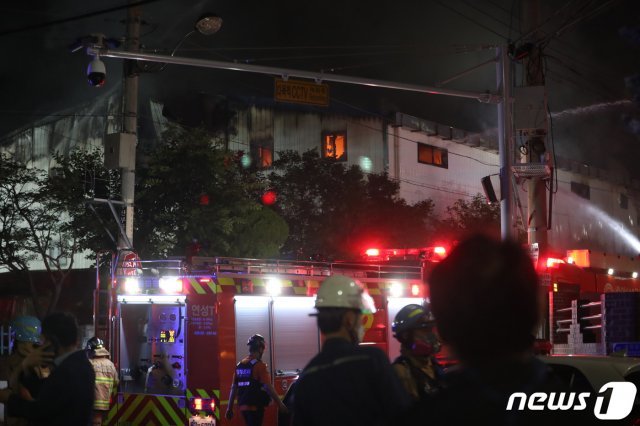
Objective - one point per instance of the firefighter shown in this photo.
(106, 378)
(416, 366)
(252, 385)
(347, 384)
(28, 364)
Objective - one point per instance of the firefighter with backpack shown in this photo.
(416, 366)
(252, 385)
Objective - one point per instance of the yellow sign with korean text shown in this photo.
(301, 92)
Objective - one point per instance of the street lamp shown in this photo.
(208, 24)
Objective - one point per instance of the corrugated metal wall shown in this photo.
(302, 131)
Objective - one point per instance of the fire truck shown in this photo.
(177, 330)
(593, 303)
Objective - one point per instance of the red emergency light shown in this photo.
(207, 405)
(441, 251)
(552, 262)
(415, 290)
(372, 252)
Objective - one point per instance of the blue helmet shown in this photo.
(27, 329)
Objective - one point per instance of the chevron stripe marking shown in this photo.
(135, 401)
(140, 415)
(146, 418)
(172, 409)
(203, 393)
(157, 412)
(197, 287)
(226, 281)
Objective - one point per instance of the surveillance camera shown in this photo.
(96, 72)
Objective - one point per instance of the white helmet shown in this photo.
(339, 291)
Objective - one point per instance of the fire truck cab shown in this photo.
(177, 331)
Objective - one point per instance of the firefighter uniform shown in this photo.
(106, 384)
(251, 375)
(417, 368)
(252, 384)
(350, 385)
(421, 378)
(106, 378)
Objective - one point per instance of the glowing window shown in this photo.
(265, 156)
(262, 153)
(433, 155)
(334, 145)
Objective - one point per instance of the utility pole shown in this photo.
(130, 121)
(535, 147)
(505, 142)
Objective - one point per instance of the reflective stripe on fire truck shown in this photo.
(206, 285)
(204, 394)
(146, 410)
(202, 287)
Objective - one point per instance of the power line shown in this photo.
(74, 18)
(469, 19)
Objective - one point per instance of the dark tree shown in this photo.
(336, 211)
(194, 197)
(46, 221)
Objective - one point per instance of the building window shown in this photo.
(581, 190)
(262, 154)
(334, 145)
(265, 156)
(433, 155)
(624, 201)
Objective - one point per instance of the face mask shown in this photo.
(426, 346)
(360, 333)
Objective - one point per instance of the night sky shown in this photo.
(421, 42)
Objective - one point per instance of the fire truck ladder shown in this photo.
(309, 268)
